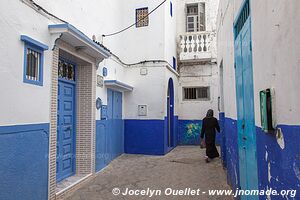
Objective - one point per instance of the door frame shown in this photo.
(58, 179)
(247, 180)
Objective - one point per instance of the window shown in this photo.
(195, 19)
(142, 18)
(33, 60)
(196, 93)
(174, 63)
(66, 70)
(171, 9)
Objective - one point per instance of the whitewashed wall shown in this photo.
(150, 90)
(22, 103)
(198, 75)
(275, 55)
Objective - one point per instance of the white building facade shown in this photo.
(198, 88)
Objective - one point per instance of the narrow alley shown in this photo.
(182, 168)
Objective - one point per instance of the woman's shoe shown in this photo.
(207, 160)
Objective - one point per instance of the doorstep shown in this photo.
(69, 185)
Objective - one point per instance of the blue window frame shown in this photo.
(33, 61)
(171, 9)
(174, 63)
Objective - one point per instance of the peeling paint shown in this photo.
(269, 172)
(296, 170)
(268, 196)
(280, 138)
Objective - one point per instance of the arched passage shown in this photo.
(170, 114)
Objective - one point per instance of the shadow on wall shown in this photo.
(189, 132)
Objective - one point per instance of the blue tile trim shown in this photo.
(81, 35)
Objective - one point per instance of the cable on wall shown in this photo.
(115, 33)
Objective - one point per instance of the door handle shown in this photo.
(244, 138)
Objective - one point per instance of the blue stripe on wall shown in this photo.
(144, 137)
(24, 153)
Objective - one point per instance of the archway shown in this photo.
(170, 114)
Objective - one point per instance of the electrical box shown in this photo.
(267, 109)
(142, 110)
(103, 112)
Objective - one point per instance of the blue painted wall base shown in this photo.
(109, 141)
(24, 162)
(284, 164)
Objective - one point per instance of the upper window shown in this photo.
(33, 60)
(142, 18)
(171, 9)
(196, 93)
(195, 18)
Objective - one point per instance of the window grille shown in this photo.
(33, 61)
(196, 93)
(142, 18)
(66, 70)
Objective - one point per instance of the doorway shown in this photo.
(245, 101)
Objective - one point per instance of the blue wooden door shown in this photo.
(110, 132)
(65, 162)
(101, 145)
(245, 106)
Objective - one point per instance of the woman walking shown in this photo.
(209, 126)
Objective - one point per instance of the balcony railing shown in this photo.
(196, 46)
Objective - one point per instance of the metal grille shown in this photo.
(197, 93)
(32, 64)
(142, 18)
(66, 70)
(244, 15)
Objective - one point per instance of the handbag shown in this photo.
(202, 144)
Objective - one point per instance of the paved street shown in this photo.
(184, 167)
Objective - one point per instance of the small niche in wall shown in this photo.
(143, 71)
(142, 110)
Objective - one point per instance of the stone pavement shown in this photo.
(182, 168)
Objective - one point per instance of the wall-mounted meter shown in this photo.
(142, 110)
(267, 109)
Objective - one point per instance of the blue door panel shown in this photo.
(110, 132)
(245, 110)
(65, 130)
